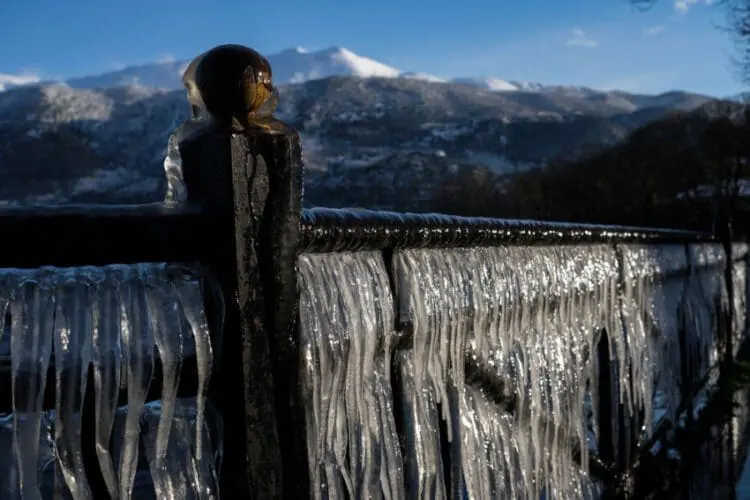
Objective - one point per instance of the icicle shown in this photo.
(166, 325)
(106, 358)
(184, 477)
(46, 453)
(530, 316)
(704, 288)
(424, 464)
(176, 189)
(9, 279)
(138, 342)
(346, 313)
(72, 340)
(32, 311)
(189, 293)
(653, 295)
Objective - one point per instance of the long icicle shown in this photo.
(106, 359)
(32, 310)
(346, 317)
(138, 344)
(189, 292)
(72, 340)
(166, 324)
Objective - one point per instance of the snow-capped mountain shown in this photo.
(489, 83)
(290, 66)
(373, 135)
(379, 142)
(298, 65)
(165, 75)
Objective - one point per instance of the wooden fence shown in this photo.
(243, 222)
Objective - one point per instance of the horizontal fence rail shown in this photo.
(332, 231)
(336, 230)
(99, 234)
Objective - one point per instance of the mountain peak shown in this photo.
(294, 65)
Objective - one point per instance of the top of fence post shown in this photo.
(244, 166)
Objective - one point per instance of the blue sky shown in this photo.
(599, 43)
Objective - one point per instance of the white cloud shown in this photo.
(7, 81)
(683, 6)
(579, 38)
(654, 30)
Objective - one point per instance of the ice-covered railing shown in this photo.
(489, 334)
(102, 333)
(232, 206)
(356, 354)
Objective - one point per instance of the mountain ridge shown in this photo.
(377, 142)
(294, 65)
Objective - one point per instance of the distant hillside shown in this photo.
(666, 172)
(367, 141)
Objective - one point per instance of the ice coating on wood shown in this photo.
(347, 324)
(530, 314)
(529, 317)
(176, 191)
(346, 229)
(118, 319)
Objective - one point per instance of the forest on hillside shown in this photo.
(687, 170)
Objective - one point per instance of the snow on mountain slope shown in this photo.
(165, 75)
(489, 83)
(426, 77)
(290, 66)
(298, 65)
(10, 81)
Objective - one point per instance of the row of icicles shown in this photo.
(118, 320)
(532, 317)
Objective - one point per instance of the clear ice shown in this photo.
(118, 320)
(529, 317)
(32, 315)
(176, 191)
(72, 346)
(106, 359)
(347, 326)
(189, 291)
(138, 358)
(183, 473)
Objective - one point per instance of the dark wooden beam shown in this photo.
(246, 170)
(98, 235)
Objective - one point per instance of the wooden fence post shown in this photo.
(244, 167)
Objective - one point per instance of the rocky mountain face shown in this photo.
(373, 136)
